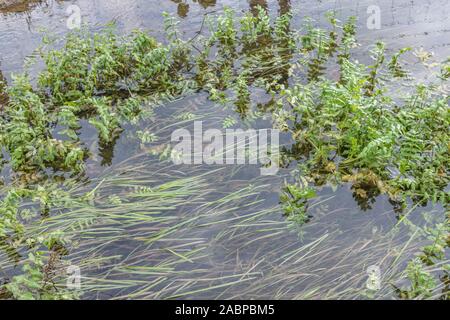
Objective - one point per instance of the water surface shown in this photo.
(243, 247)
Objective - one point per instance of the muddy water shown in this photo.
(247, 255)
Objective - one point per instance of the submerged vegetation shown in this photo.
(371, 126)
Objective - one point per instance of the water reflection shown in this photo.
(206, 3)
(254, 4)
(284, 6)
(183, 6)
(266, 48)
(17, 6)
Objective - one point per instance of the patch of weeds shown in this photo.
(430, 266)
(422, 282)
(37, 280)
(354, 130)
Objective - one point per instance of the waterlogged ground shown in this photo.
(220, 232)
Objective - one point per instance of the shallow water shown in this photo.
(244, 248)
(403, 22)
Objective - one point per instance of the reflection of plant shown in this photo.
(9, 219)
(263, 60)
(26, 133)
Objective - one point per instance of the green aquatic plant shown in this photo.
(349, 123)
(107, 122)
(104, 64)
(427, 274)
(318, 45)
(224, 31)
(26, 133)
(353, 131)
(422, 282)
(254, 54)
(294, 200)
(37, 281)
(439, 238)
